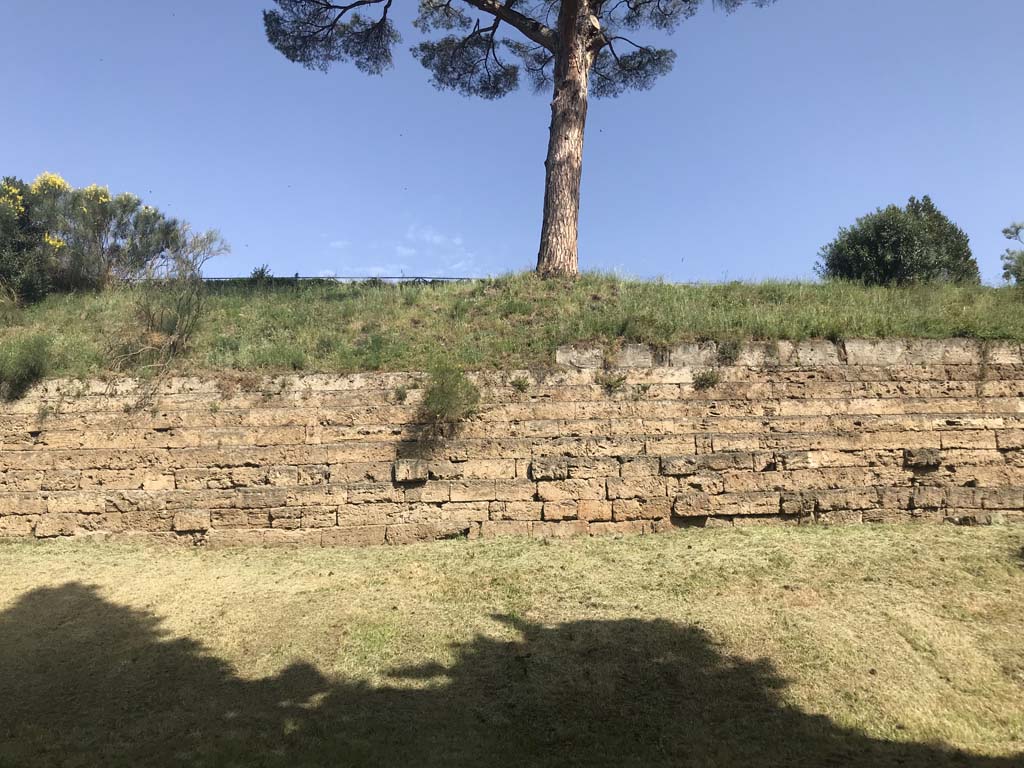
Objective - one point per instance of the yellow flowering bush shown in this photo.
(11, 198)
(49, 183)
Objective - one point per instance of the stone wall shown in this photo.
(854, 432)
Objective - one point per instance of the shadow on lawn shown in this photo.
(85, 682)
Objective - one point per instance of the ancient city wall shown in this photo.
(855, 432)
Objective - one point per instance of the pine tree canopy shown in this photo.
(466, 48)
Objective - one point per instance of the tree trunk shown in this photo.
(564, 163)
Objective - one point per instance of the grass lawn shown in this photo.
(857, 646)
(515, 321)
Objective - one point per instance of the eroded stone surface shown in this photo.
(791, 433)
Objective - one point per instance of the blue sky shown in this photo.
(776, 127)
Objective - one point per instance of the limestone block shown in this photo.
(495, 529)
(922, 457)
(736, 504)
(53, 525)
(158, 482)
(694, 355)
(367, 514)
(679, 466)
(473, 490)
(413, 532)
(22, 504)
(17, 525)
(549, 468)
(639, 466)
(560, 510)
(636, 488)
(574, 357)
(430, 492)
(620, 528)
(589, 468)
(571, 490)
(972, 439)
(557, 530)
(641, 509)
(410, 470)
(464, 511)
(593, 510)
(353, 536)
(691, 503)
(373, 493)
(633, 356)
(290, 539)
(872, 352)
(187, 521)
(516, 510)
(85, 502)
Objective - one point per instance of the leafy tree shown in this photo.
(574, 47)
(897, 246)
(23, 264)
(56, 237)
(1013, 260)
(99, 238)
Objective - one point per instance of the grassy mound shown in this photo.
(515, 321)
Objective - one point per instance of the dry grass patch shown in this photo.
(863, 646)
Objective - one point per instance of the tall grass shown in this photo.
(513, 321)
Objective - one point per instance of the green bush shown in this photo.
(898, 246)
(706, 379)
(24, 361)
(448, 398)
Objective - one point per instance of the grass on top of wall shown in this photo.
(515, 321)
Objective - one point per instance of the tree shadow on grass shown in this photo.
(86, 682)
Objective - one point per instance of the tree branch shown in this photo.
(532, 29)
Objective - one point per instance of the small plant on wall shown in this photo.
(448, 398)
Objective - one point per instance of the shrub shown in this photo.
(169, 304)
(448, 398)
(23, 362)
(706, 379)
(897, 246)
(1013, 260)
(728, 351)
(612, 382)
(261, 275)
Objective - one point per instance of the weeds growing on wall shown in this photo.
(448, 398)
(24, 360)
(706, 379)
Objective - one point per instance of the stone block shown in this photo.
(593, 510)
(636, 488)
(922, 458)
(414, 532)
(473, 490)
(549, 468)
(633, 356)
(494, 529)
(53, 525)
(694, 354)
(353, 536)
(560, 510)
(558, 530)
(622, 528)
(691, 504)
(189, 521)
(410, 470)
(580, 357)
(516, 510)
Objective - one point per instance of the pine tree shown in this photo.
(573, 47)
